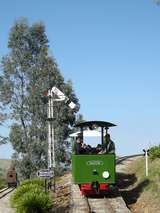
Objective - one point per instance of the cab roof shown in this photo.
(97, 123)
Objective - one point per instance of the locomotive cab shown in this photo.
(94, 169)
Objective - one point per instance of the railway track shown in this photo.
(112, 203)
(99, 205)
(5, 192)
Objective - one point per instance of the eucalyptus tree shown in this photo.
(27, 71)
(3, 139)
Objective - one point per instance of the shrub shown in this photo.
(30, 197)
(2, 183)
(34, 201)
(154, 152)
(38, 182)
(20, 192)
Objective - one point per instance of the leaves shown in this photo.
(30, 197)
(3, 140)
(27, 71)
(154, 152)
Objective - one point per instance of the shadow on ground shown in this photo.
(125, 180)
(129, 192)
(111, 193)
(125, 188)
(60, 210)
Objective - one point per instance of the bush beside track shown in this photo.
(2, 180)
(2, 183)
(154, 152)
(30, 197)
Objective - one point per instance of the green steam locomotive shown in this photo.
(93, 168)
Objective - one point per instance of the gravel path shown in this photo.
(5, 204)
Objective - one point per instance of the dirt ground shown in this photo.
(62, 194)
(5, 205)
(133, 192)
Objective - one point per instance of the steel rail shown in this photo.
(99, 205)
(5, 191)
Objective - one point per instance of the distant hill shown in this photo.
(4, 165)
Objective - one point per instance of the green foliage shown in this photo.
(27, 71)
(154, 152)
(30, 197)
(1, 172)
(20, 191)
(35, 201)
(3, 139)
(38, 182)
(2, 180)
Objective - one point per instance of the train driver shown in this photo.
(79, 146)
(109, 144)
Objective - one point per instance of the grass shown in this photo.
(143, 192)
(138, 168)
(2, 183)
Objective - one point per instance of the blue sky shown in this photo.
(110, 50)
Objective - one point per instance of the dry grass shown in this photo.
(142, 193)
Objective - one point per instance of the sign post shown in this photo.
(45, 174)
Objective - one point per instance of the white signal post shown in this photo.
(146, 157)
(146, 153)
(60, 97)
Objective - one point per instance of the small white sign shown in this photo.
(45, 173)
